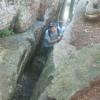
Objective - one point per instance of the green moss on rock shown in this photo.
(6, 32)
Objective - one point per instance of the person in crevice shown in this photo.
(52, 36)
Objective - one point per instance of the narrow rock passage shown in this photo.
(28, 80)
(30, 75)
(25, 86)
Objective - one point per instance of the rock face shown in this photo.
(7, 13)
(28, 11)
(25, 11)
(83, 33)
(69, 70)
(93, 10)
(15, 50)
(14, 53)
(41, 10)
(23, 14)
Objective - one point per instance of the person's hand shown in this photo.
(59, 38)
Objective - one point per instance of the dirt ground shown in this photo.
(85, 33)
(89, 93)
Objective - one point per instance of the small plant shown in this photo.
(6, 32)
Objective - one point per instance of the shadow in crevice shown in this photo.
(39, 92)
(30, 74)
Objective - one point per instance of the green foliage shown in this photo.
(6, 32)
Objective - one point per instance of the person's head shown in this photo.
(53, 29)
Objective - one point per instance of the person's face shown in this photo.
(53, 29)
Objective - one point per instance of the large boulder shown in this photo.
(28, 11)
(7, 13)
(42, 9)
(22, 14)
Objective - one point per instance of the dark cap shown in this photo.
(52, 24)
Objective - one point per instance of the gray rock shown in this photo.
(14, 53)
(21, 13)
(43, 96)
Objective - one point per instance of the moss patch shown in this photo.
(6, 32)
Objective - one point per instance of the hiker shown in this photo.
(52, 36)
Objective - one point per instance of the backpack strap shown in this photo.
(58, 31)
(49, 31)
